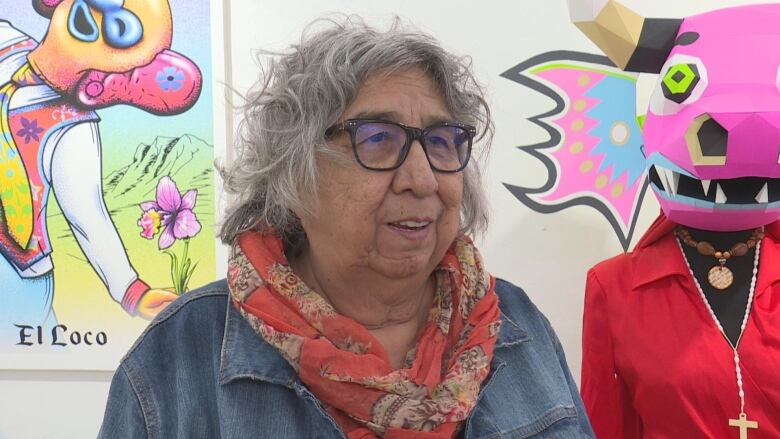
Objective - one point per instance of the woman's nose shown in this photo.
(416, 174)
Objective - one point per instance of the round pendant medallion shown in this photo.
(720, 277)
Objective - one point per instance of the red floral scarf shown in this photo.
(348, 370)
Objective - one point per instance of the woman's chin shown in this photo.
(397, 256)
(399, 265)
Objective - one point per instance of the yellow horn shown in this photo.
(631, 41)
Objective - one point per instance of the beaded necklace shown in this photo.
(743, 423)
(720, 277)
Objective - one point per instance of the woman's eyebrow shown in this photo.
(373, 114)
(433, 120)
(394, 116)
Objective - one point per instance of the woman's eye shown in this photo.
(438, 141)
(377, 138)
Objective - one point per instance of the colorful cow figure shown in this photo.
(96, 53)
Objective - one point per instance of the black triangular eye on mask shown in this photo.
(81, 24)
(686, 38)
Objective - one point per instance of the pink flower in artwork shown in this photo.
(150, 223)
(172, 212)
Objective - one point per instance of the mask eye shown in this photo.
(683, 81)
(679, 82)
(707, 141)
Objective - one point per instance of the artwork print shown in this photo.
(106, 181)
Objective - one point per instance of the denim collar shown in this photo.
(247, 356)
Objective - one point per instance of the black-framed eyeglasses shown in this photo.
(382, 145)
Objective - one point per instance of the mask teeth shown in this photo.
(720, 196)
(705, 185)
(674, 182)
(763, 195)
(730, 191)
(670, 180)
(664, 173)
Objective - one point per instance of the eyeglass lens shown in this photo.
(380, 145)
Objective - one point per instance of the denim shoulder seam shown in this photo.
(524, 337)
(507, 312)
(169, 312)
(148, 405)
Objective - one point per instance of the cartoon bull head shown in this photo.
(108, 52)
(710, 142)
(712, 133)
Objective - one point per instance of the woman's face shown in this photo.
(395, 223)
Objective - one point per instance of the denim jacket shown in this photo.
(200, 371)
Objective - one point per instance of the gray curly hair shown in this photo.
(304, 91)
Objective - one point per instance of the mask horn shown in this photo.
(632, 42)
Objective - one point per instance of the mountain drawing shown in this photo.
(182, 158)
(187, 159)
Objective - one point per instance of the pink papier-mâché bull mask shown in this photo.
(712, 132)
(109, 52)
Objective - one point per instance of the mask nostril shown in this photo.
(707, 141)
(713, 139)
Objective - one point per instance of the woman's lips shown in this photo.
(414, 230)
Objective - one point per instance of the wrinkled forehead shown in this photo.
(737, 45)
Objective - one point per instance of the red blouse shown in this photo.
(654, 363)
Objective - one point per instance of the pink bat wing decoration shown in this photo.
(595, 153)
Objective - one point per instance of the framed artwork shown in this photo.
(106, 171)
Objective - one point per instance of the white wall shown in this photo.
(547, 255)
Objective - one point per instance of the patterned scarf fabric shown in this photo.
(347, 369)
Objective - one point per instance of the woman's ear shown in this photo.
(301, 214)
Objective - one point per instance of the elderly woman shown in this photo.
(355, 304)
